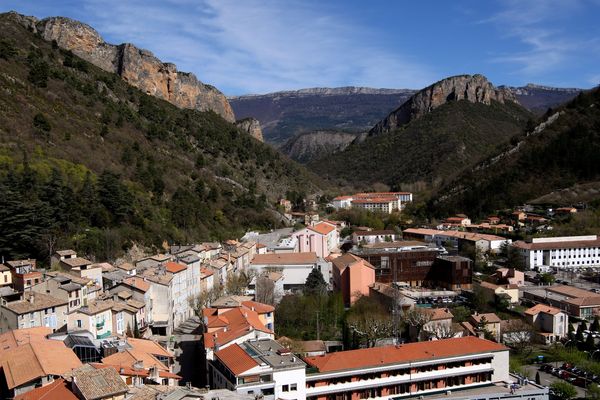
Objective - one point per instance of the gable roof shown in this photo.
(238, 322)
(389, 355)
(542, 308)
(260, 308)
(348, 260)
(137, 283)
(33, 301)
(98, 383)
(236, 359)
(57, 390)
(322, 228)
(490, 318)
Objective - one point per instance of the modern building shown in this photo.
(378, 236)
(407, 370)
(262, 368)
(576, 302)
(481, 241)
(570, 252)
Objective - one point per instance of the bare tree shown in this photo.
(440, 330)
(204, 299)
(517, 334)
(416, 319)
(370, 327)
(264, 290)
(238, 281)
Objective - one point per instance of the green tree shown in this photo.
(563, 390)
(547, 278)
(589, 342)
(595, 325)
(537, 378)
(41, 122)
(7, 50)
(315, 283)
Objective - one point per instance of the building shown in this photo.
(451, 272)
(342, 202)
(576, 302)
(459, 221)
(5, 276)
(352, 276)
(295, 267)
(413, 369)
(95, 318)
(262, 368)
(551, 324)
(439, 326)
(321, 238)
(24, 274)
(29, 360)
(570, 252)
(90, 383)
(63, 287)
(482, 242)
(33, 310)
(383, 205)
(369, 237)
(59, 389)
(492, 292)
(487, 321)
(509, 276)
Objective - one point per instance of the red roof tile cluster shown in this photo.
(542, 308)
(236, 359)
(174, 267)
(411, 352)
(285, 258)
(57, 390)
(322, 228)
(232, 324)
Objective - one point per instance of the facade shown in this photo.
(342, 202)
(96, 318)
(491, 291)
(369, 237)
(261, 368)
(414, 369)
(295, 267)
(482, 242)
(63, 287)
(33, 310)
(551, 324)
(561, 252)
(352, 276)
(488, 321)
(321, 238)
(5, 276)
(24, 274)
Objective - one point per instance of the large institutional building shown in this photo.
(437, 368)
(561, 252)
(385, 202)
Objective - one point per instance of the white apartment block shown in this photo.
(571, 252)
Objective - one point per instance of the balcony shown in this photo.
(100, 325)
(104, 335)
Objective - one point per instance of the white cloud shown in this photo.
(257, 46)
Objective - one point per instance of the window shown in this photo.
(285, 388)
(294, 386)
(79, 324)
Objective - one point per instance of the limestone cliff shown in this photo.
(138, 67)
(310, 146)
(473, 88)
(251, 126)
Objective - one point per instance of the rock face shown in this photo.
(473, 88)
(538, 99)
(309, 146)
(138, 67)
(251, 126)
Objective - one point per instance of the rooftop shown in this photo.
(57, 390)
(174, 267)
(542, 308)
(411, 352)
(285, 259)
(98, 383)
(76, 262)
(33, 302)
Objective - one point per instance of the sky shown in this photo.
(261, 46)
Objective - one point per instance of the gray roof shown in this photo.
(71, 287)
(272, 353)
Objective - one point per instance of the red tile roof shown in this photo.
(137, 283)
(240, 321)
(389, 355)
(174, 267)
(57, 390)
(539, 308)
(322, 228)
(236, 359)
(258, 307)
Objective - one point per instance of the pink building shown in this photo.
(352, 276)
(321, 239)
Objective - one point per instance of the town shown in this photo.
(450, 310)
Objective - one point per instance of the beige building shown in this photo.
(491, 291)
(488, 321)
(63, 287)
(96, 318)
(33, 310)
(5, 275)
(551, 324)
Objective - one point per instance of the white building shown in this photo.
(295, 267)
(262, 368)
(571, 252)
(369, 237)
(342, 202)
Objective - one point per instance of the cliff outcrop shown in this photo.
(251, 126)
(138, 67)
(473, 88)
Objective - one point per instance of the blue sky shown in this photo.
(259, 46)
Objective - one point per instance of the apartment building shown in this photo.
(321, 238)
(576, 302)
(95, 318)
(5, 276)
(352, 276)
(560, 252)
(386, 202)
(63, 287)
(33, 310)
(482, 242)
(551, 324)
(24, 274)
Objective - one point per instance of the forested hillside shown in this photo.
(90, 162)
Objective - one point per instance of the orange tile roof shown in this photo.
(138, 283)
(389, 355)
(378, 200)
(174, 267)
(490, 318)
(322, 228)
(148, 346)
(285, 258)
(258, 307)
(438, 314)
(57, 390)
(240, 321)
(236, 359)
(206, 272)
(539, 308)
(128, 358)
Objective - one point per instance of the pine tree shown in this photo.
(595, 325)
(315, 283)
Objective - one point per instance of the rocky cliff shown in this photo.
(138, 67)
(251, 126)
(309, 146)
(473, 88)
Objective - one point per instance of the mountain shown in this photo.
(471, 88)
(538, 99)
(555, 161)
(308, 146)
(91, 162)
(251, 126)
(283, 115)
(433, 146)
(138, 67)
